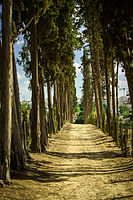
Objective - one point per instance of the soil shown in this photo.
(81, 162)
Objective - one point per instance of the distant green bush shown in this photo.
(81, 107)
(80, 119)
(125, 115)
(104, 121)
(78, 109)
(124, 109)
(92, 118)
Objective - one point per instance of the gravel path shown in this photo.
(81, 163)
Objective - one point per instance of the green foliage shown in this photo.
(104, 121)
(104, 107)
(119, 137)
(92, 118)
(124, 109)
(80, 119)
(113, 130)
(25, 110)
(74, 99)
(25, 106)
(87, 84)
(81, 107)
(78, 109)
(125, 115)
(94, 106)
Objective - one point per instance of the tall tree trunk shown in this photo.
(69, 108)
(87, 96)
(51, 115)
(65, 103)
(58, 103)
(56, 106)
(17, 159)
(117, 102)
(114, 131)
(44, 131)
(0, 99)
(17, 100)
(35, 128)
(98, 73)
(96, 100)
(107, 77)
(113, 89)
(95, 85)
(7, 89)
(61, 102)
(18, 148)
(0, 71)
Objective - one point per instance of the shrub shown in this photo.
(92, 118)
(103, 121)
(124, 109)
(80, 119)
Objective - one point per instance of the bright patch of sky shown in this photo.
(122, 83)
(79, 76)
(25, 93)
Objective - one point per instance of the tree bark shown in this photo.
(7, 89)
(86, 87)
(113, 89)
(98, 73)
(58, 102)
(35, 128)
(117, 102)
(107, 77)
(17, 100)
(65, 103)
(68, 97)
(95, 85)
(18, 160)
(96, 100)
(61, 102)
(0, 99)
(44, 131)
(0, 72)
(51, 115)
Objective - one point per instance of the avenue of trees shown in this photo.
(107, 37)
(50, 32)
(47, 58)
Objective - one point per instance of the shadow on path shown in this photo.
(123, 197)
(89, 155)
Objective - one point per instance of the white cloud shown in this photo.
(25, 93)
(20, 76)
(20, 42)
(123, 83)
(121, 71)
(77, 65)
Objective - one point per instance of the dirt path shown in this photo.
(80, 163)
